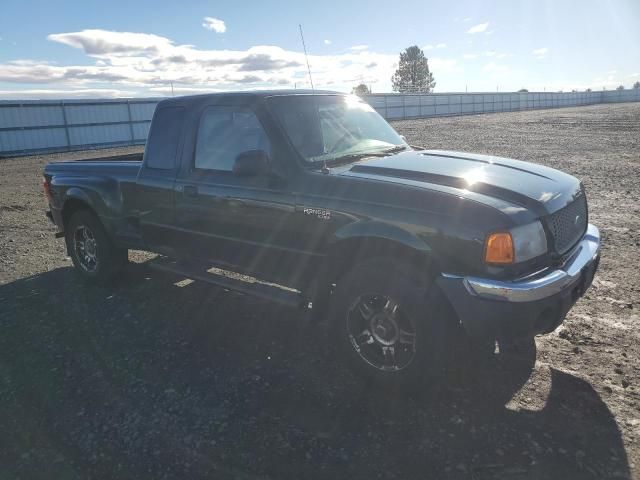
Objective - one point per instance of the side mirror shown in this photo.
(252, 163)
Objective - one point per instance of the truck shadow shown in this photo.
(157, 377)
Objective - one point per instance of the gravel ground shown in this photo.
(157, 378)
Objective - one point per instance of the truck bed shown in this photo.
(112, 158)
(127, 165)
(105, 184)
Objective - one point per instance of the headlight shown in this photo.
(517, 245)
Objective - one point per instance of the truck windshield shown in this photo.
(323, 128)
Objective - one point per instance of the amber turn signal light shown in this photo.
(499, 248)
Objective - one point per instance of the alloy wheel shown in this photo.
(85, 248)
(380, 332)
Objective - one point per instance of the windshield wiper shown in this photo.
(396, 149)
(359, 156)
(353, 157)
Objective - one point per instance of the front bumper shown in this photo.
(528, 306)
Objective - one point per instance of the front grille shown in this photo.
(568, 224)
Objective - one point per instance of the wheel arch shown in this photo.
(364, 240)
(75, 200)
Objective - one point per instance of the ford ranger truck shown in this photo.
(315, 196)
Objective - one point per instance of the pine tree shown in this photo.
(413, 73)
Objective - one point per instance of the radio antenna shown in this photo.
(304, 47)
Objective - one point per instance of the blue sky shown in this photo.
(85, 48)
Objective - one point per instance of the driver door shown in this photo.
(226, 219)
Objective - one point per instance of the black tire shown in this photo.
(419, 306)
(108, 260)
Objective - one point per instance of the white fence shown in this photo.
(397, 107)
(50, 126)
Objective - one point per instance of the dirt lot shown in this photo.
(152, 378)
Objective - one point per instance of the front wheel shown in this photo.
(388, 323)
(93, 254)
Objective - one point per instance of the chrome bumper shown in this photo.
(537, 288)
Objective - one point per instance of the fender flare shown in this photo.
(359, 231)
(101, 195)
(75, 193)
(382, 231)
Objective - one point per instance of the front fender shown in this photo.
(356, 240)
(381, 231)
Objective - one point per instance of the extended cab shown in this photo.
(316, 193)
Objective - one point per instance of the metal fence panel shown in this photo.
(32, 140)
(88, 114)
(100, 135)
(140, 132)
(412, 112)
(42, 126)
(30, 116)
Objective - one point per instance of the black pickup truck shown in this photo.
(317, 199)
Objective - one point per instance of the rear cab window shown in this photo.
(164, 138)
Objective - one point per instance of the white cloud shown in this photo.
(144, 63)
(633, 75)
(105, 42)
(166, 90)
(481, 27)
(42, 94)
(466, 19)
(433, 47)
(469, 56)
(214, 24)
(328, 42)
(490, 53)
(359, 48)
(540, 52)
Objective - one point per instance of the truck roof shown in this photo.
(244, 96)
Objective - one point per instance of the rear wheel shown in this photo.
(92, 252)
(388, 323)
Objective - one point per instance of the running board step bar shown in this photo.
(221, 278)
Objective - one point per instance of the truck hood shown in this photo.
(535, 187)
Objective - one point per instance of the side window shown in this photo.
(224, 133)
(164, 138)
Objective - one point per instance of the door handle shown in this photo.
(190, 191)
